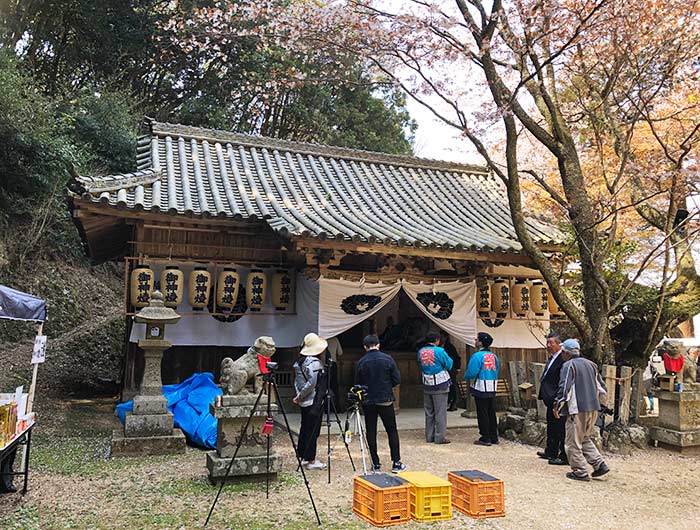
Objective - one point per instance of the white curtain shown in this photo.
(518, 333)
(450, 305)
(343, 304)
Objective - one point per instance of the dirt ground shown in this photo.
(74, 485)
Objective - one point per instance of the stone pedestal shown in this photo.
(679, 420)
(148, 430)
(251, 460)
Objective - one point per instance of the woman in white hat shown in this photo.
(306, 370)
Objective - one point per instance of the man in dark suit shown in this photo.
(549, 383)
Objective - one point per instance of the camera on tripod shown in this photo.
(357, 393)
(271, 365)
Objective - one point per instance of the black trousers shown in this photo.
(452, 393)
(556, 433)
(308, 434)
(486, 417)
(386, 413)
(6, 477)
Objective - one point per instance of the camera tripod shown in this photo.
(352, 415)
(270, 383)
(328, 404)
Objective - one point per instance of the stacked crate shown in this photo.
(381, 499)
(430, 496)
(477, 494)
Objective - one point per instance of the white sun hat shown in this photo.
(313, 345)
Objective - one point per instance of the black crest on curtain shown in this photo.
(359, 303)
(440, 305)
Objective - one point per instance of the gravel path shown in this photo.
(76, 487)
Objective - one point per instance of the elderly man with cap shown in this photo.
(483, 371)
(580, 391)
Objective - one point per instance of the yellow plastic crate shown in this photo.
(430, 496)
(381, 499)
(477, 494)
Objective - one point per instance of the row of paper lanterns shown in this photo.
(172, 285)
(517, 296)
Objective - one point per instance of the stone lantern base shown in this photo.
(251, 460)
(679, 420)
(148, 430)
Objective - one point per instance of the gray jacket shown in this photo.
(580, 387)
(305, 379)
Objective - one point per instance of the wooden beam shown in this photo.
(310, 245)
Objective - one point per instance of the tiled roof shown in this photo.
(311, 190)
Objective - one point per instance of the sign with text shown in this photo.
(39, 353)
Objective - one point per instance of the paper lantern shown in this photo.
(281, 290)
(198, 288)
(227, 286)
(483, 301)
(500, 297)
(142, 280)
(520, 298)
(538, 298)
(172, 285)
(555, 311)
(255, 289)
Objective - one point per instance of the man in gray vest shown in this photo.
(578, 398)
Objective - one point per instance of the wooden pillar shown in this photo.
(513, 382)
(626, 393)
(636, 396)
(536, 370)
(609, 374)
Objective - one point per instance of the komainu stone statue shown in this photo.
(690, 359)
(235, 374)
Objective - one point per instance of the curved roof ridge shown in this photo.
(158, 128)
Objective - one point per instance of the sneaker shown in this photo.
(376, 468)
(494, 442)
(543, 454)
(316, 464)
(558, 462)
(444, 441)
(574, 476)
(398, 467)
(602, 470)
(482, 442)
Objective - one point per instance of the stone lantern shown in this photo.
(148, 430)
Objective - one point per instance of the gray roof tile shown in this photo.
(311, 190)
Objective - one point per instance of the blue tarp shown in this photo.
(16, 305)
(189, 402)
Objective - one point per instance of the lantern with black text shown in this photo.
(255, 289)
(172, 285)
(555, 311)
(520, 298)
(281, 290)
(538, 298)
(500, 297)
(227, 286)
(483, 302)
(199, 285)
(142, 280)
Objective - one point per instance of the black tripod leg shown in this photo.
(328, 432)
(340, 426)
(235, 453)
(269, 436)
(294, 446)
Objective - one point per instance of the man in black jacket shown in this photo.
(549, 383)
(379, 373)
